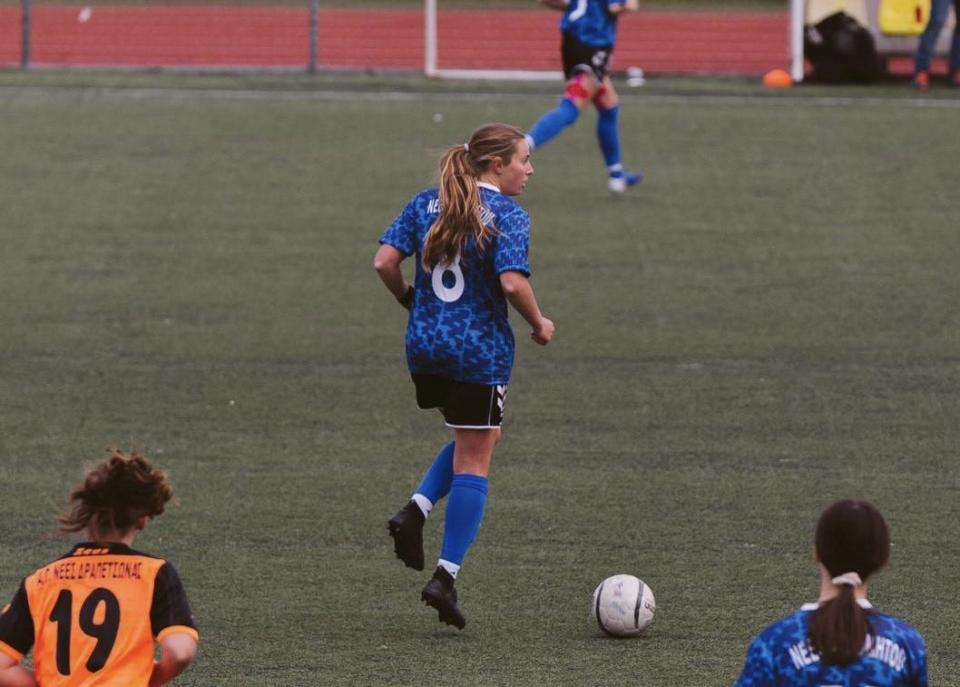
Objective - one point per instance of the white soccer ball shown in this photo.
(623, 605)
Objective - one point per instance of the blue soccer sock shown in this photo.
(552, 123)
(437, 480)
(468, 498)
(608, 135)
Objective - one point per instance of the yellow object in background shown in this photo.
(904, 17)
(816, 10)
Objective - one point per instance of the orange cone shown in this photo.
(777, 78)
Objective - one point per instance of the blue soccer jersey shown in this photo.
(591, 22)
(781, 656)
(458, 325)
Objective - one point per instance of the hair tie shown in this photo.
(851, 578)
(466, 147)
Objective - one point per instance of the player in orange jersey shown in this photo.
(93, 616)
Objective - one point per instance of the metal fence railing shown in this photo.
(309, 37)
(431, 38)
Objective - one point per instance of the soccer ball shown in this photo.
(623, 605)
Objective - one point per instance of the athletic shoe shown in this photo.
(440, 594)
(921, 81)
(620, 184)
(406, 528)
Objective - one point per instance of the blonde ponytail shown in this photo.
(461, 167)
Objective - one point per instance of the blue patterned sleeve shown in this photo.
(402, 232)
(758, 666)
(513, 243)
(920, 656)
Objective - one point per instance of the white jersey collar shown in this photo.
(488, 185)
(814, 606)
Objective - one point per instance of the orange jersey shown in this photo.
(92, 617)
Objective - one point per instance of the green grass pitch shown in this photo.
(768, 323)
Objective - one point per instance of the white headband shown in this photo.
(850, 578)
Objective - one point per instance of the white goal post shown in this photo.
(431, 51)
(796, 40)
(432, 67)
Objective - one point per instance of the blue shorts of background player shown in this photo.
(588, 30)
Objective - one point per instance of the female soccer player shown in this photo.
(93, 616)
(471, 239)
(589, 30)
(841, 639)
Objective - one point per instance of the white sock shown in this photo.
(426, 505)
(451, 568)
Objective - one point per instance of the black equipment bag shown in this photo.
(841, 50)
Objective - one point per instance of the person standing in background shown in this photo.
(939, 12)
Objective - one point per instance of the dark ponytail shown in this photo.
(851, 537)
(114, 494)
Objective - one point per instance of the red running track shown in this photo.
(205, 36)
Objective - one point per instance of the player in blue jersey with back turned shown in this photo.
(471, 242)
(842, 639)
(589, 33)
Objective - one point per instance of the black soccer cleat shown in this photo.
(440, 594)
(406, 528)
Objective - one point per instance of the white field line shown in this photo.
(134, 92)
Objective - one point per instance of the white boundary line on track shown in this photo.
(134, 92)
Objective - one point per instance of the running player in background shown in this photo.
(842, 639)
(471, 241)
(589, 31)
(93, 616)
